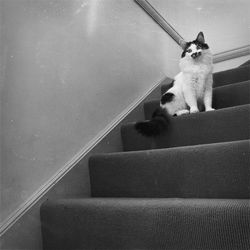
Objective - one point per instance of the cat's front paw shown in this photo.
(194, 110)
(209, 109)
(182, 112)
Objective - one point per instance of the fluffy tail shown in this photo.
(156, 126)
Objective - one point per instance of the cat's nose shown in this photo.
(196, 54)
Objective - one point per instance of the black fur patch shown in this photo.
(156, 126)
(201, 45)
(185, 49)
(197, 43)
(171, 85)
(168, 97)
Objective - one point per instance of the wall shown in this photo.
(1, 86)
(230, 64)
(71, 68)
(26, 232)
(225, 23)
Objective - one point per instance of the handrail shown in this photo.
(219, 57)
(160, 20)
(231, 54)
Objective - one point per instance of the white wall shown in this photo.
(1, 86)
(71, 68)
(230, 64)
(225, 23)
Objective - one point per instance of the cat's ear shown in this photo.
(183, 44)
(200, 38)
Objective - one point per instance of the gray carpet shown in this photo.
(187, 189)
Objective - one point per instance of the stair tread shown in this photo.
(225, 96)
(220, 170)
(228, 124)
(123, 223)
(131, 202)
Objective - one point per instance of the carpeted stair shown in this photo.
(187, 189)
(201, 171)
(229, 124)
(232, 76)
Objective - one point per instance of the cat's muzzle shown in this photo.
(196, 54)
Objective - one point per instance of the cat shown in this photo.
(191, 88)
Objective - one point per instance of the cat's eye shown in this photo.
(189, 51)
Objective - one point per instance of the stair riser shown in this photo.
(210, 171)
(233, 95)
(146, 224)
(223, 97)
(232, 76)
(224, 125)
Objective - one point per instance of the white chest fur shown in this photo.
(194, 73)
(193, 85)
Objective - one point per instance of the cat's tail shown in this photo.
(156, 126)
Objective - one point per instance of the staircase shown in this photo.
(188, 189)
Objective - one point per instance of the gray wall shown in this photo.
(225, 23)
(71, 68)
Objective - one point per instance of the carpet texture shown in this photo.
(229, 124)
(121, 224)
(219, 170)
(187, 189)
(223, 97)
(232, 76)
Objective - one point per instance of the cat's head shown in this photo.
(195, 48)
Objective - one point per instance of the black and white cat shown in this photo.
(192, 87)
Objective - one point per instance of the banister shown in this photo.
(158, 18)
